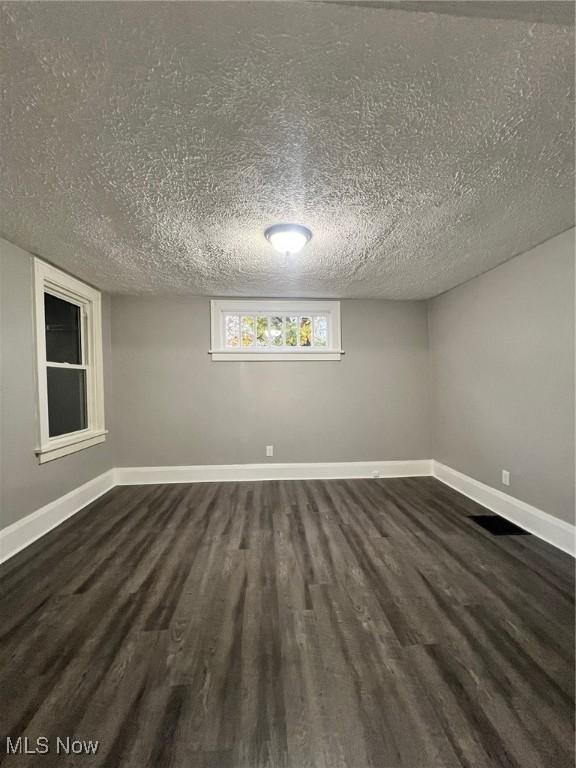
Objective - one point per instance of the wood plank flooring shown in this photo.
(321, 624)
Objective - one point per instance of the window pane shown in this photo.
(262, 331)
(232, 331)
(291, 331)
(63, 331)
(320, 331)
(305, 331)
(66, 400)
(276, 331)
(248, 326)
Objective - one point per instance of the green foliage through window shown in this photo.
(247, 331)
(305, 332)
(291, 331)
(275, 331)
(262, 331)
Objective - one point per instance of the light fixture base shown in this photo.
(288, 238)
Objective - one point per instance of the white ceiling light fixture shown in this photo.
(288, 238)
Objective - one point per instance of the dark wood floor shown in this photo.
(361, 623)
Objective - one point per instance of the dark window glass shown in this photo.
(66, 400)
(63, 331)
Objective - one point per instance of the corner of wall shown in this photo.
(430, 382)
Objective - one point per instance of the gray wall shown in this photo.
(24, 484)
(174, 406)
(502, 376)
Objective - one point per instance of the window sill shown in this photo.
(68, 445)
(241, 356)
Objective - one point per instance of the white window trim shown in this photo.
(219, 307)
(52, 280)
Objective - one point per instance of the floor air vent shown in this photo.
(498, 526)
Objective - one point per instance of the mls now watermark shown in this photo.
(43, 745)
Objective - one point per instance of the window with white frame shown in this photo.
(69, 358)
(275, 330)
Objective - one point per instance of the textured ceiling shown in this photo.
(146, 146)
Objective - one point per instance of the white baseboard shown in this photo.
(25, 531)
(273, 471)
(556, 532)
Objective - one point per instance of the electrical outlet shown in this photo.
(269, 450)
(505, 477)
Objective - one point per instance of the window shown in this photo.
(69, 356)
(275, 330)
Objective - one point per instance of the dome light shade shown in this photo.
(288, 238)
